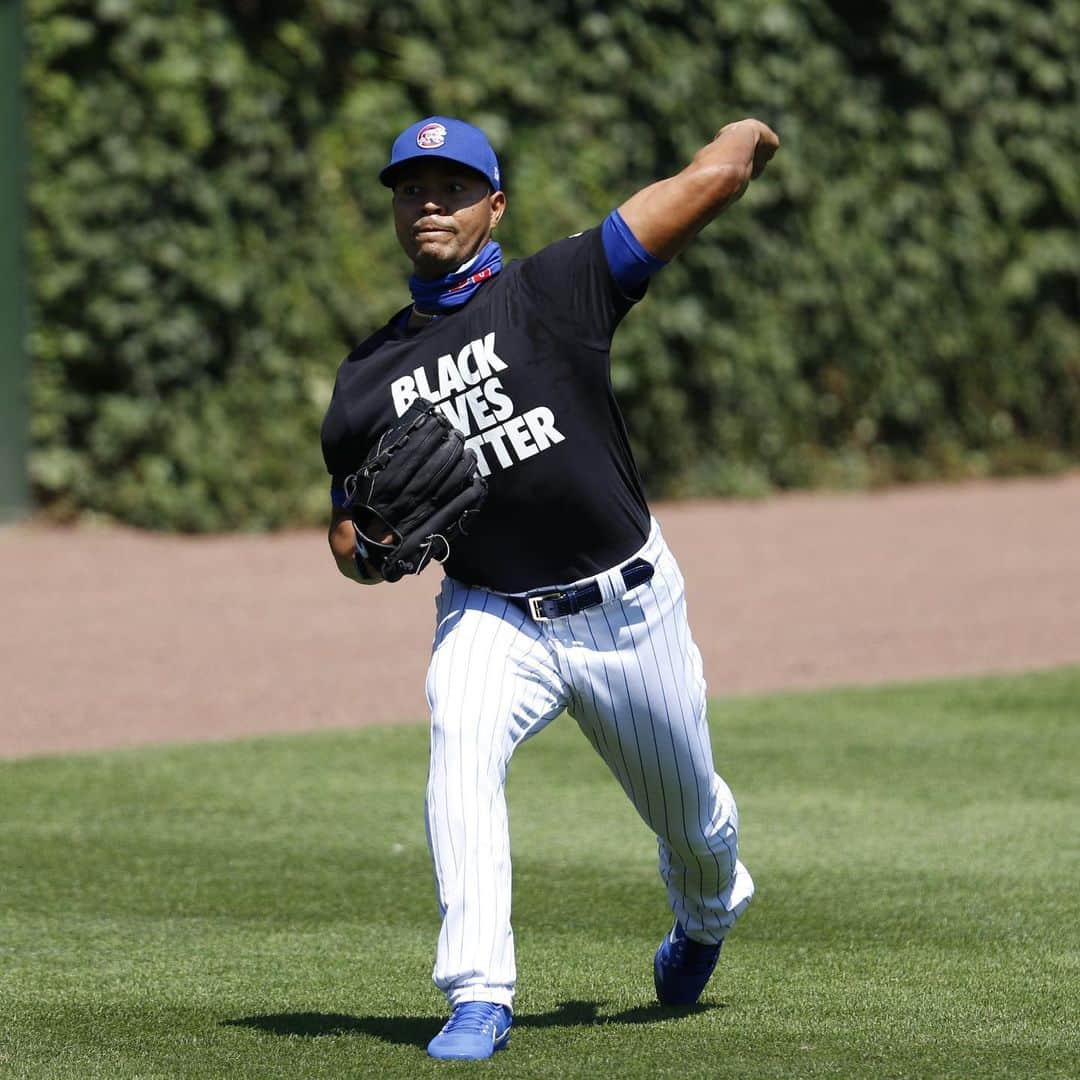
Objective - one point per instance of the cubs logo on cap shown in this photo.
(446, 138)
(431, 136)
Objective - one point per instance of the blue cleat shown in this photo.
(475, 1031)
(682, 967)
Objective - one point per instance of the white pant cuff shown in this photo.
(496, 995)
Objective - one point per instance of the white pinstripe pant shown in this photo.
(630, 674)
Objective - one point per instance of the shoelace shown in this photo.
(474, 1017)
(693, 955)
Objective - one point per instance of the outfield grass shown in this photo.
(265, 908)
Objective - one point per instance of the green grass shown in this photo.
(265, 908)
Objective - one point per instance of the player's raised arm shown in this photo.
(667, 215)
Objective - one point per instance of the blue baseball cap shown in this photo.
(446, 138)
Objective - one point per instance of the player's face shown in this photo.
(443, 215)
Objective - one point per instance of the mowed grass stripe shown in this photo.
(265, 908)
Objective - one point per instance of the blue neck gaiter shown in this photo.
(450, 291)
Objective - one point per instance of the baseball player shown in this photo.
(559, 593)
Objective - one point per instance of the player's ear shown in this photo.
(497, 206)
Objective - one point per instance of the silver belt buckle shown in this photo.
(534, 608)
(536, 601)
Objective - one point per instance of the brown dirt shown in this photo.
(114, 637)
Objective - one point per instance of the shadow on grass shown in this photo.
(417, 1030)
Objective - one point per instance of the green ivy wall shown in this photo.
(897, 298)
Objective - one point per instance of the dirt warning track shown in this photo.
(112, 637)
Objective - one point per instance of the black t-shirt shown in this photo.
(523, 371)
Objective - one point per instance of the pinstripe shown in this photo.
(495, 818)
(628, 785)
(463, 924)
(445, 764)
(687, 710)
(462, 634)
(664, 840)
(439, 782)
(686, 707)
(657, 771)
(674, 754)
(698, 729)
(497, 811)
(493, 776)
(490, 817)
(596, 733)
(493, 825)
(729, 843)
(526, 695)
(506, 685)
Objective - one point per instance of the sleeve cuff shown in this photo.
(631, 265)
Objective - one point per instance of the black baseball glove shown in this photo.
(413, 494)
